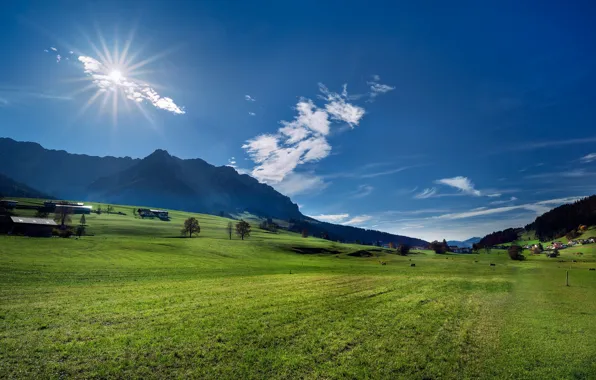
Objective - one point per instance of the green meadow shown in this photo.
(135, 300)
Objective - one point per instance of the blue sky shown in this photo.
(428, 119)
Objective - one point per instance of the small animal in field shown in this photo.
(592, 269)
(492, 265)
(412, 265)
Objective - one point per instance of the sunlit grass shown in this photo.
(137, 301)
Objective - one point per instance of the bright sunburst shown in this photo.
(114, 76)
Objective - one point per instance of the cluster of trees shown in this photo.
(269, 225)
(500, 237)
(564, 219)
(439, 247)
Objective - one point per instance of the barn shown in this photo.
(37, 227)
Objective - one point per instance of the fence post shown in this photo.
(567, 278)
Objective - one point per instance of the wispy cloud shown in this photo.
(249, 98)
(551, 144)
(555, 176)
(463, 184)
(107, 80)
(232, 162)
(301, 183)
(362, 191)
(252, 114)
(512, 199)
(331, 218)
(377, 88)
(426, 193)
(357, 220)
(588, 158)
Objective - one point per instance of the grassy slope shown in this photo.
(136, 301)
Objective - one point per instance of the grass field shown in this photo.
(136, 301)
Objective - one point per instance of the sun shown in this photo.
(115, 75)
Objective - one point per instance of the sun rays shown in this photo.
(115, 77)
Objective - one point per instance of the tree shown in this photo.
(437, 247)
(391, 245)
(80, 230)
(242, 229)
(304, 233)
(109, 209)
(540, 247)
(191, 225)
(134, 211)
(230, 229)
(98, 210)
(446, 246)
(403, 249)
(62, 215)
(82, 222)
(487, 248)
(515, 252)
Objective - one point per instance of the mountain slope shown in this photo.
(161, 180)
(56, 172)
(12, 188)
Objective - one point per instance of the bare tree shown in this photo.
(82, 222)
(230, 229)
(242, 229)
(62, 215)
(191, 225)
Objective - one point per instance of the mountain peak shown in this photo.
(160, 153)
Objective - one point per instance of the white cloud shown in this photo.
(559, 201)
(426, 193)
(53, 48)
(252, 114)
(232, 163)
(249, 98)
(301, 140)
(588, 158)
(58, 58)
(300, 183)
(495, 195)
(461, 183)
(331, 218)
(377, 88)
(357, 220)
(133, 90)
(339, 109)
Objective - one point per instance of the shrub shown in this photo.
(553, 254)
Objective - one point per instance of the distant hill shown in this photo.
(163, 181)
(466, 243)
(553, 224)
(12, 188)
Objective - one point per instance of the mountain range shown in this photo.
(12, 188)
(160, 180)
(466, 243)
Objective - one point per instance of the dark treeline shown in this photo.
(349, 234)
(500, 237)
(564, 219)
